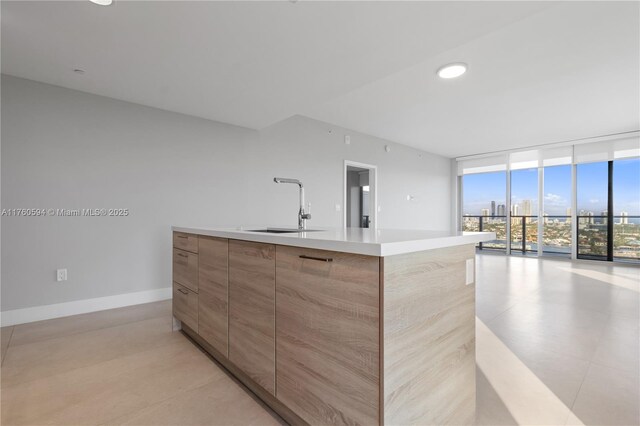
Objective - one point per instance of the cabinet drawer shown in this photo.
(185, 306)
(185, 269)
(184, 241)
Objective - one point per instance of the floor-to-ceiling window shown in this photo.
(592, 195)
(626, 209)
(556, 221)
(608, 195)
(580, 201)
(524, 211)
(484, 206)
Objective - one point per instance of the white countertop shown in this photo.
(372, 242)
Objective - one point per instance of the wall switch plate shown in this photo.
(347, 140)
(61, 275)
(471, 272)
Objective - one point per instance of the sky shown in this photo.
(480, 189)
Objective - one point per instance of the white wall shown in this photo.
(314, 152)
(68, 149)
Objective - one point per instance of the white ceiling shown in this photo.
(538, 71)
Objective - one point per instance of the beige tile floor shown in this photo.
(122, 366)
(557, 344)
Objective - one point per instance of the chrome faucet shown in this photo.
(302, 215)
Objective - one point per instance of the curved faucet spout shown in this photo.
(287, 180)
(302, 215)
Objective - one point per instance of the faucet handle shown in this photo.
(307, 214)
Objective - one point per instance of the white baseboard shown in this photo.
(57, 310)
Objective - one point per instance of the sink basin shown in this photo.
(282, 230)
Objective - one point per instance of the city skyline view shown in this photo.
(479, 190)
(484, 209)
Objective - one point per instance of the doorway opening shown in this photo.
(360, 195)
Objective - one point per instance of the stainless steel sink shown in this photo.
(282, 230)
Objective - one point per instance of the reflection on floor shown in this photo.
(123, 366)
(557, 344)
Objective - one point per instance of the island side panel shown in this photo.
(429, 338)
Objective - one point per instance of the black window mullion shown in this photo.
(610, 213)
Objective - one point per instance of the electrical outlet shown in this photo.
(471, 272)
(61, 275)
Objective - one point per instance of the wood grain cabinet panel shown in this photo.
(185, 269)
(327, 334)
(429, 338)
(186, 242)
(252, 310)
(213, 256)
(185, 306)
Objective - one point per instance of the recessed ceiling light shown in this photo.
(452, 70)
(102, 2)
(78, 71)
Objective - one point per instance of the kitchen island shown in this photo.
(336, 326)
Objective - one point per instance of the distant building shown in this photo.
(624, 218)
(515, 209)
(568, 214)
(502, 210)
(590, 214)
(546, 217)
(485, 212)
(526, 208)
(493, 208)
(605, 215)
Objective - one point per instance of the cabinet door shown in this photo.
(328, 334)
(213, 255)
(252, 310)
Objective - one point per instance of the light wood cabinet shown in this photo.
(185, 306)
(429, 338)
(186, 242)
(252, 310)
(185, 269)
(213, 284)
(328, 335)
